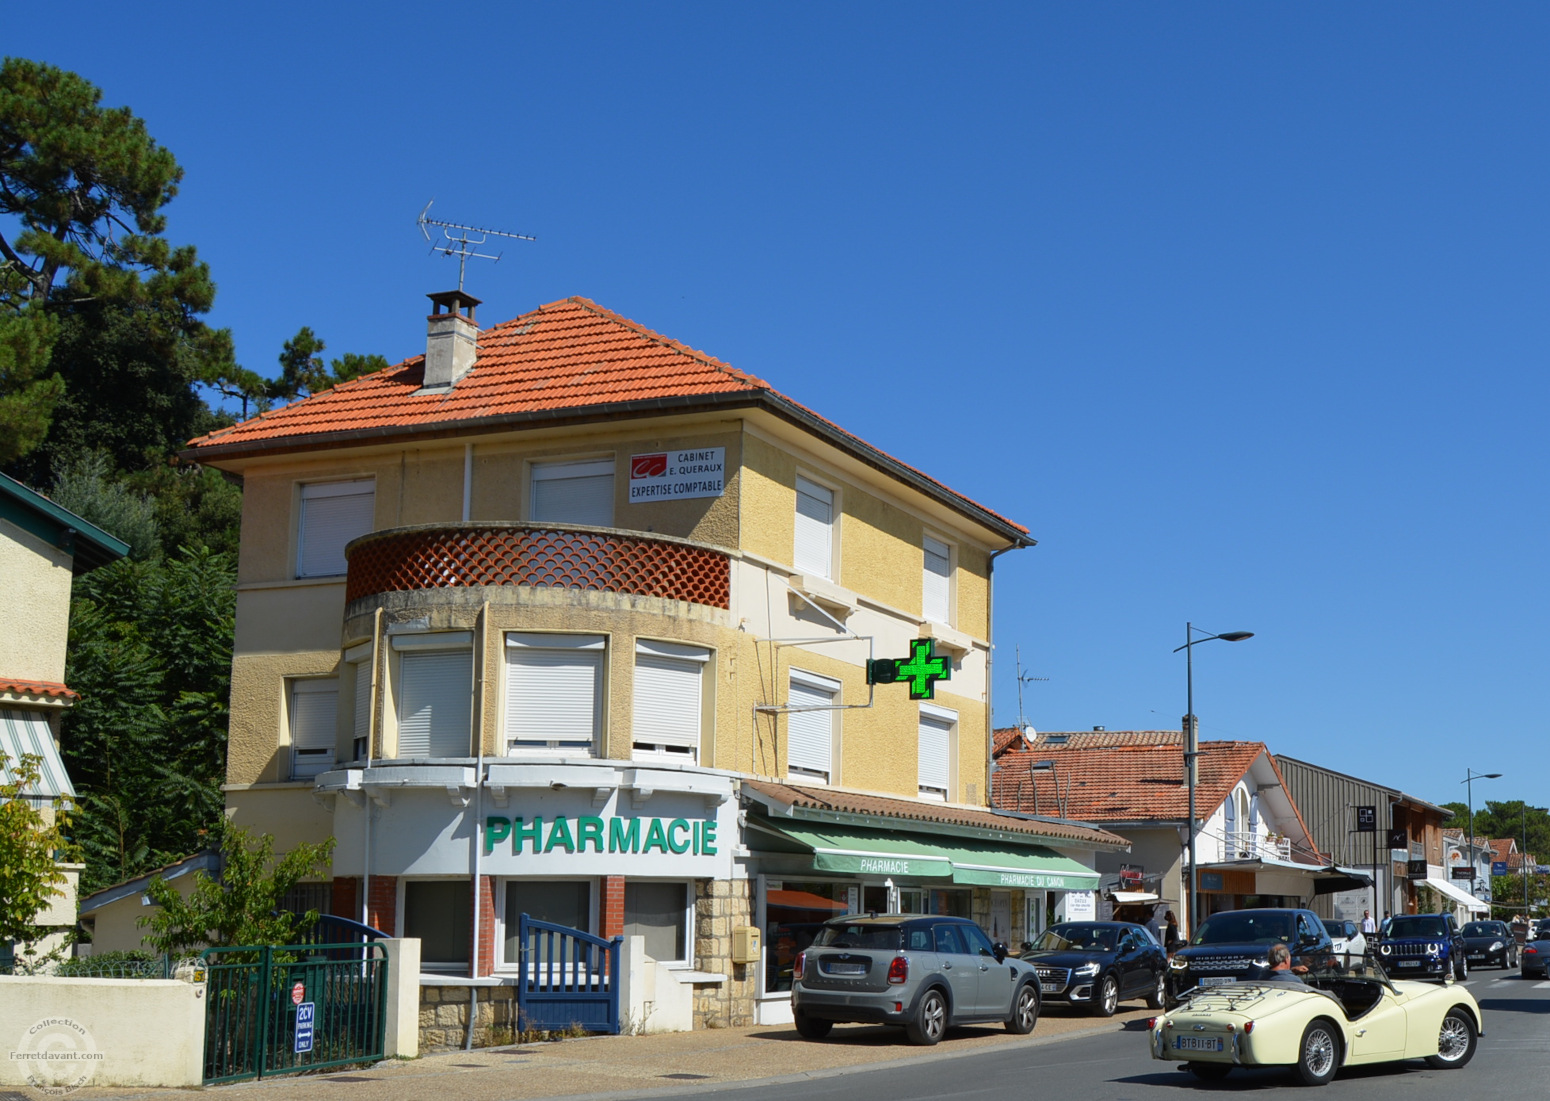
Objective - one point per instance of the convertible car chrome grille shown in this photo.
(1053, 980)
(1218, 965)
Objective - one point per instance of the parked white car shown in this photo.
(1350, 941)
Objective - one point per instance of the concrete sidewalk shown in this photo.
(643, 1066)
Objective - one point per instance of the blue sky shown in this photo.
(1240, 308)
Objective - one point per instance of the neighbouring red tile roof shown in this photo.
(845, 801)
(1010, 737)
(42, 689)
(1107, 739)
(1121, 783)
(567, 357)
(1502, 847)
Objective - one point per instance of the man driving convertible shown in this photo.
(1281, 969)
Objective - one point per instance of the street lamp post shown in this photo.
(1191, 751)
(1470, 776)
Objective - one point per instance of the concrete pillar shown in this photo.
(402, 1030)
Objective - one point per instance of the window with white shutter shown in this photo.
(936, 596)
(934, 763)
(435, 695)
(574, 493)
(362, 719)
(669, 694)
(554, 693)
(332, 514)
(810, 734)
(314, 715)
(813, 552)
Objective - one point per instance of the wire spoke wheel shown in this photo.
(1455, 1040)
(1320, 1054)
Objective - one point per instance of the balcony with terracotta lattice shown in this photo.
(596, 559)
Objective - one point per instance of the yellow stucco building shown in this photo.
(565, 618)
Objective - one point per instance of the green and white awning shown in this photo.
(858, 851)
(26, 733)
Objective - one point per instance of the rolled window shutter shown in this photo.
(314, 726)
(362, 700)
(935, 740)
(553, 698)
(436, 703)
(936, 598)
(667, 701)
(813, 551)
(810, 734)
(332, 514)
(574, 493)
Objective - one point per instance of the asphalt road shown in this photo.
(1512, 1061)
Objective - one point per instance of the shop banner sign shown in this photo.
(674, 475)
(882, 864)
(1039, 881)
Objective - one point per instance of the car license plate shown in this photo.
(1197, 1043)
(1217, 980)
(846, 968)
(1410, 963)
(1049, 986)
(1477, 955)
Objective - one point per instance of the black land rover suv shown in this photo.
(1235, 944)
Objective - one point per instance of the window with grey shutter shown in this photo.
(813, 552)
(658, 912)
(554, 693)
(668, 697)
(361, 732)
(314, 714)
(810, 734)
(435, 695)
(936, 594)
(574, 493)
(934, 762)
(332, 514)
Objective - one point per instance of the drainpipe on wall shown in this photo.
(478, 689)
(371, 735)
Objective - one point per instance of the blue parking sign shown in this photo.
(304, 1014)
(1498, 867)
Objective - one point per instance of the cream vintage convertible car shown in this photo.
(1339, 1016)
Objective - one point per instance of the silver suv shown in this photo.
(924, 973)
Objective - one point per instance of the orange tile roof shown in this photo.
(41, 689)
(1106, 739)
(1007, 738)
(885, 806)
(568, 359)
(1121, 783)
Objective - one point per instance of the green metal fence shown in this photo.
(255, 1008)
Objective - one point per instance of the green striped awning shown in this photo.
(986, 864)
(24, 733)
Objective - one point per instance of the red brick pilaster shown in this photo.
(382, 903)
(346, 899)
(485, 951)
(611, 906)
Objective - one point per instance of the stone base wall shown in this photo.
(719, 905)
(444, 1016)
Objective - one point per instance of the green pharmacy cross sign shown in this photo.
(922, 669)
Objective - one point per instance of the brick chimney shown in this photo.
(452, 339)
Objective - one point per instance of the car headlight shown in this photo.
(1496, 946)
(1385, 949)
(1179, 963)
(1434, 949)
(1086, 971)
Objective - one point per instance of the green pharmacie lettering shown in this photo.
(623, 835)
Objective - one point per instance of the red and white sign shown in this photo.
(298, 993)
(674, 475)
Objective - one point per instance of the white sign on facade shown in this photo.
(674, 475)
(1080, 906)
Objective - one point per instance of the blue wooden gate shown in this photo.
(567, 978)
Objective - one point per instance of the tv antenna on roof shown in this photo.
(1022, 679)
(460, 244)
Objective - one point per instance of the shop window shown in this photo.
(952, 903)
(332, 514)
(573, 493)
(554, 693)
(566, 902)
(669, 700)
(810, 734)
(813, 550)
(793, 911)
(314, 721)
(936, 595)
(435, 694)
(660, 913)
(935, 752)
(440, 913)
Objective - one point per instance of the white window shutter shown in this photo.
(332, 514)
(362, 701)
(813, 551)
(933, 768)
(314, 726)
(810, 734)
(435, 703)
(553, 696)
(936, 596)
(667, 700)
(574, 493)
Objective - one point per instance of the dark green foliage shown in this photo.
(32, 837)
(1505, 819)
(303, 372)
(150, 653)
